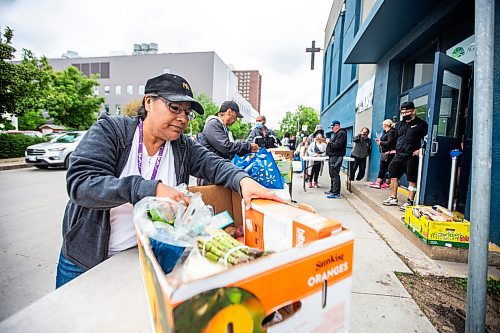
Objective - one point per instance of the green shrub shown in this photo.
(14, 145)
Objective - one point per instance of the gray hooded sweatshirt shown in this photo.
(94, 186)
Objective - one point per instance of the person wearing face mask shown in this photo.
(122, 160)
(410, 132)
(362, 149)
(262, 135)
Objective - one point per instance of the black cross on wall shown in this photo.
(313, 49)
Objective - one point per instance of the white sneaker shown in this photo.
(390, 201)
(405, 205)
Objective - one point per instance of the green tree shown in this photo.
(7, 77)
(132, 107)
(240, 129)
(72, 102)
(196, 126)
(293, 122)
(34, 84)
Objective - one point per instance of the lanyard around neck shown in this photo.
(139, 154)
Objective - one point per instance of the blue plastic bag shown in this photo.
(262, 168)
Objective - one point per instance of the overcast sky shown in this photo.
(266, 35)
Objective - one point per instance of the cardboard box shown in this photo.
(313, 280)
(221, 199)
(273, 226)
(450, 234)
(285, 153)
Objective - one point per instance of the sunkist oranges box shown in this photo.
(312, 281)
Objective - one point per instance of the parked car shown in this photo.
(54, 153)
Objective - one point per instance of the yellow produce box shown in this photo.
(441, 233)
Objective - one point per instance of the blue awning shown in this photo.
(388, 22)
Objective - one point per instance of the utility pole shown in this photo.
(481, 166)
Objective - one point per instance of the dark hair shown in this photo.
(366, 129)
(287, 135)
(142, 113)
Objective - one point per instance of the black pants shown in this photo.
(315, 172)
(358, 162)
(334, 164)
(384, 167)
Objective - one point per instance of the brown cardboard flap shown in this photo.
(221, 199)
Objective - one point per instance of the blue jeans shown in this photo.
(66, 271)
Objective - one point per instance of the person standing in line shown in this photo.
(410, 132)
(122, 160)
(335, 150)
(387, 146)
(262, 135)
(362, 149)
(316, 149)
(286, 141)
(292, 143)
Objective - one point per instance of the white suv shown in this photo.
(53, 153)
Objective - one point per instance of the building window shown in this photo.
(118, 90)
(85, 69)
(106, 90)
(118, 109)
(94, 68)
(104, 70)
(130, 89)
(106, 108)
(141, 89)
(95, 90)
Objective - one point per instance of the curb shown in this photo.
(14, 166)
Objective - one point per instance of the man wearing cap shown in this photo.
(262, 135)
(217, 138)
(410, 132)
(122, 160)
(335, 150)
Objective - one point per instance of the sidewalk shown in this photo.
(13, 163)
(380, 303)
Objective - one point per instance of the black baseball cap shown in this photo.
(231, 105)
(335, 122)
(174, 88)
(407, 106)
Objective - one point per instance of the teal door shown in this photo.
(447, 104)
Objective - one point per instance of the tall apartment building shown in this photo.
(249, 86)
(122, 78)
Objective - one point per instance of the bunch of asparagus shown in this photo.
(221, 247)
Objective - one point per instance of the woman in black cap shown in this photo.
(122, 160)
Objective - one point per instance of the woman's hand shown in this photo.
(163, 190)
(250, 189)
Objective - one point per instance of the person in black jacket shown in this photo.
(387, 146)
(411, 130)
(335, 150)
(362, 149)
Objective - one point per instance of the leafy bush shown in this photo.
(14, 145)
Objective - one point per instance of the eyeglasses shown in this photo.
(177, 109)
